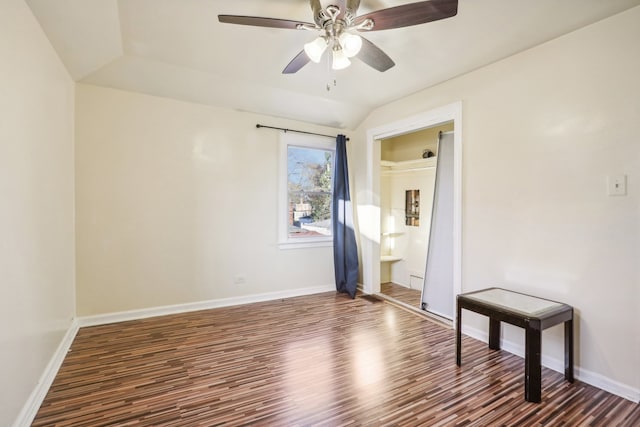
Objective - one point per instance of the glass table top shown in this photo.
(510, 300)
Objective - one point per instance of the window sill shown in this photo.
(302, 243)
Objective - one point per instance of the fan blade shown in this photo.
(296, 63)
(410, 14)
(258, 21)
(373, 56)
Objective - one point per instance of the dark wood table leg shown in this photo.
(532, 367)
(568, 350)
(494, 334)
(458, 334)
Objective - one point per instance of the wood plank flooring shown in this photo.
(315, 360)
(412, 297)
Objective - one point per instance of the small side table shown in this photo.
(531, 313)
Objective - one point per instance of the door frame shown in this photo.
(370, 230)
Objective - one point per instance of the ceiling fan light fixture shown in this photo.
(339, 23)
(340, 60)
(351, 44)
(316, 48)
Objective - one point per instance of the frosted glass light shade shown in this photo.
(316, 48)
(340, 60)
(351, 44)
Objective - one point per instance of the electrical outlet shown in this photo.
(616, 185)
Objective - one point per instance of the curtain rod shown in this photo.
(293, 130)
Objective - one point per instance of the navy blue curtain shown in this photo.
(345, 251)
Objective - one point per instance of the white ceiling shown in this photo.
(178, 49)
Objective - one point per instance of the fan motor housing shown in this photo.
(323, 12)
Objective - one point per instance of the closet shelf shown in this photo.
(390, 258)
(408, 165)
(395, 233)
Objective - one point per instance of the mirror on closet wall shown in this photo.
(407, 182)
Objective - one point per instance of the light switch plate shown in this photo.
(617, 185)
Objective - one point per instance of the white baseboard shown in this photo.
(584, 375)
(122, 316)
(31, 406)
(33, 403)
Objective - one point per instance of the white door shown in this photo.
(437, 292)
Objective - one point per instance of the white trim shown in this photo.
(123, 316)
(370, 247)
(302, 243)
(581, 374)
(33, 403)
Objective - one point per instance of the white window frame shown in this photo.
(288, 139)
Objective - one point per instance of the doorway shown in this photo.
(372, 242)
(407, 183)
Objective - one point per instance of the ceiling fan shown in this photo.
(338, 24)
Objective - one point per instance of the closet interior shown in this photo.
(407, 182)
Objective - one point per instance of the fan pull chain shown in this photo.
(328, 73)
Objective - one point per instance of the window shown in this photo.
(306, 183)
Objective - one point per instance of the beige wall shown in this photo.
(541, 131)
(36, 205)
(410, 146)
(175, 200)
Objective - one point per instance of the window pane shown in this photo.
(309, 174)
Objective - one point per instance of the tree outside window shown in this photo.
(309, 187)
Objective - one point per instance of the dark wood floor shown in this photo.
(412, 297)
(317, 360)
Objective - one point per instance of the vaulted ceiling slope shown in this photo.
(178, 49)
